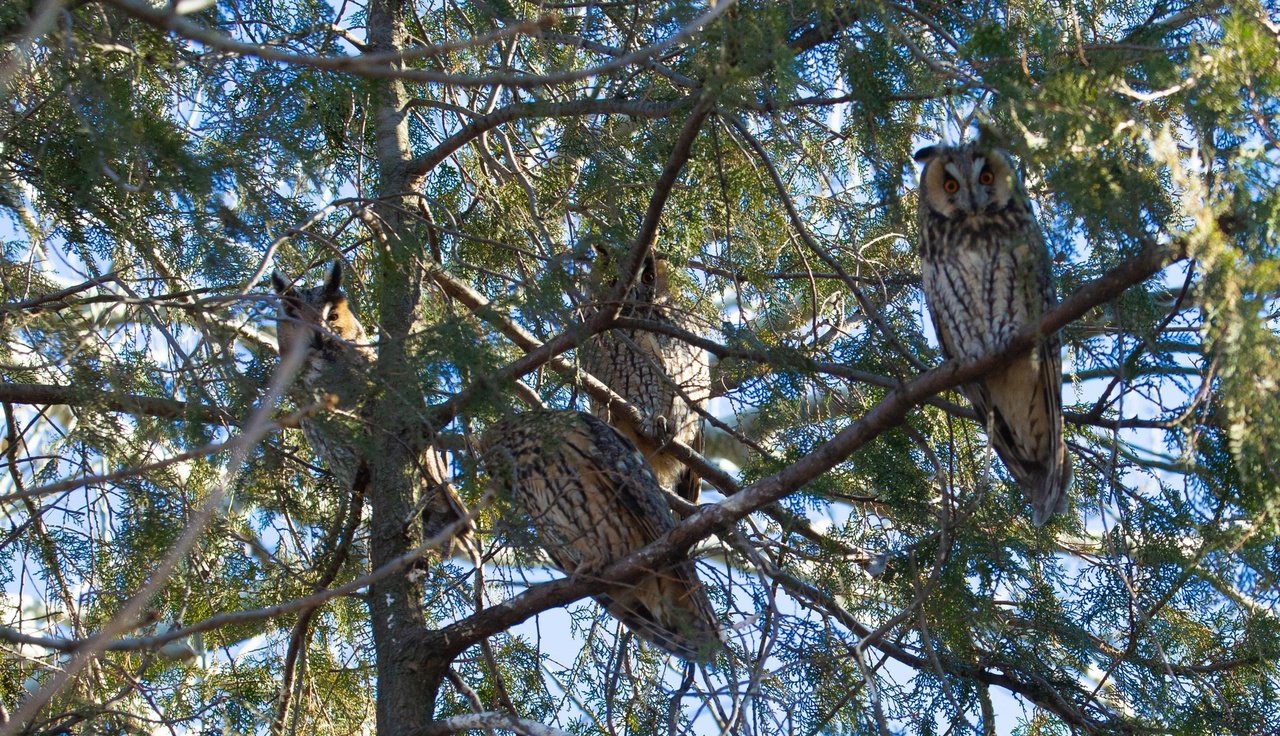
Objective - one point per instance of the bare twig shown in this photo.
(887, 413)
(490, 719)
(387, 65)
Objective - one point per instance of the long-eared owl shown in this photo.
(665, 378)
(986, 272)
(592, 499)
(339, 360)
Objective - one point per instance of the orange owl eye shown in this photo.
(649, 275)
(986, 177)
(950, 186)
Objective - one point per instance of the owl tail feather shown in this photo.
(670, 611)
(1049, 495)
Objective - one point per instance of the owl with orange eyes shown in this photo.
(985, 271)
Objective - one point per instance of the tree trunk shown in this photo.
(406, 695)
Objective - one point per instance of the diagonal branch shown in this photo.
(628, 272)
(620, 407)
(541, 110)
(453, 639)
(797, 358)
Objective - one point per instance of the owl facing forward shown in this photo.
(985, 271)
(339, 361)
(665, 378)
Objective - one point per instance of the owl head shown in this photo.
(316, 317)
(963, 181)
(650, 288)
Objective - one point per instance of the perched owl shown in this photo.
(339, 361)
(592, 500)
(651, 371)
(985, 269)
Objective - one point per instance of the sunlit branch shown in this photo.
(541, 110)
(130, 613)
(452, 639)
(387, 65)
(237, 618)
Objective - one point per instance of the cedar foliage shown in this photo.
(159, 165)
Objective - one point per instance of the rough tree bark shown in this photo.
(406, 694)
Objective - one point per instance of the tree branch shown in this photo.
(453, 639)
(152, 406)
(487, 720)
(389, 65)
(629, 270)
(541, 110)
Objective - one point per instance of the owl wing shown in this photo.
(618, 468)
(1025, 397)
(669, 607)
(1049, 496)
(690, 371)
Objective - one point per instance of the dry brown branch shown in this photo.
(151, 406)
(452, 639)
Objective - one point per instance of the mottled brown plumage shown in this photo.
(592, 500)
(338, 362)
(665, 378)
(985, 270)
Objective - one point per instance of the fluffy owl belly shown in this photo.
(976, 301)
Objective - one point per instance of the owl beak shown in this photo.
(980, 200)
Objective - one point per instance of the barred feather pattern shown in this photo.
(667, 379)
(592, 500)
(986, 273)
(338, 362)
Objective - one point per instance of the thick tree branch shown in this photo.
(487, 720)
(453, 639)
(621, 408)
(152, 406)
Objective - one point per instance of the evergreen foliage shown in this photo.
(468, 162)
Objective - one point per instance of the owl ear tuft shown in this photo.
(280, 284)
(925, 154)
(333, 279)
